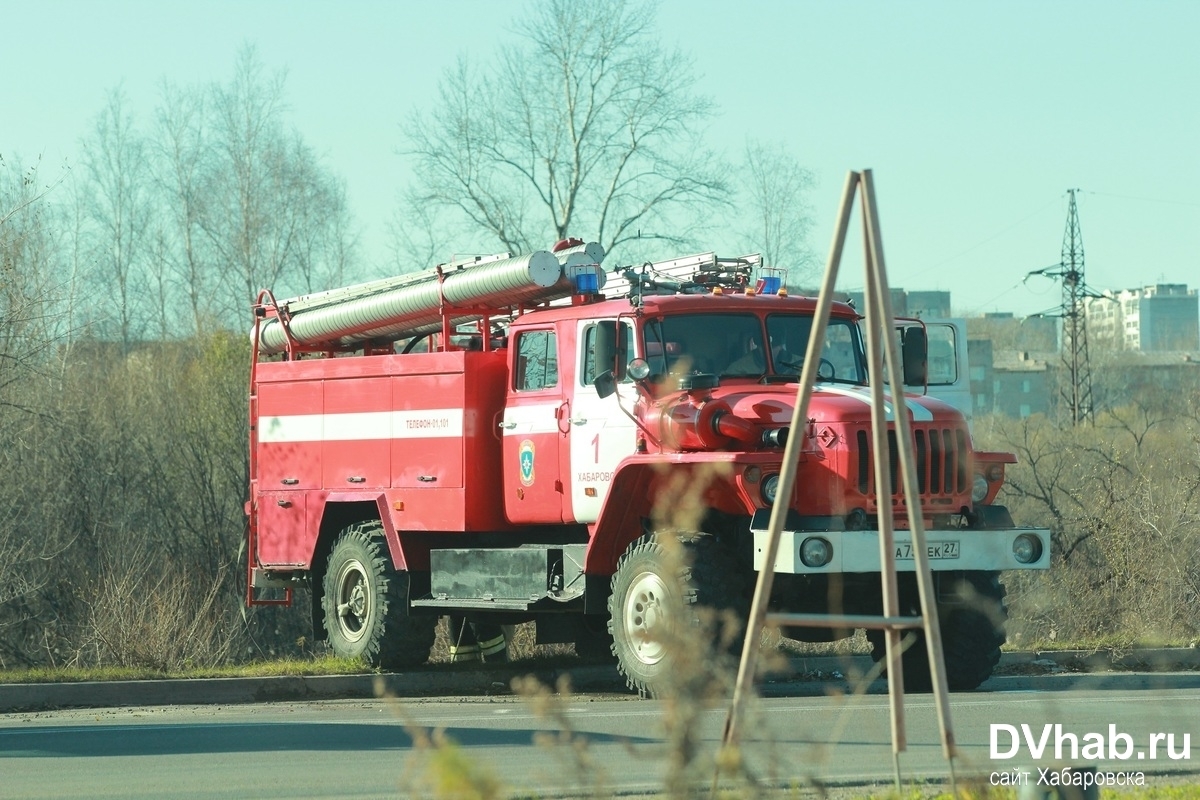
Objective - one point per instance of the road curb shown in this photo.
(1160, 658)
(1043, 671)
(1155, 659)
(25, 697)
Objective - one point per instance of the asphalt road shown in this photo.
(366, 748)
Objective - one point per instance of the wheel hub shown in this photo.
(353, 603)
(645, 617)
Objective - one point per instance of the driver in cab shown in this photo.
(752, 362)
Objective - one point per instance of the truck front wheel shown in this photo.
(655, 615)
(365, 603)
(972, 629)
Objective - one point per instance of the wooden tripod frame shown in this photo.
(879, 344)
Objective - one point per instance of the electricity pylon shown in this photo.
(1078, 392)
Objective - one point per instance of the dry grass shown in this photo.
(149, 616)
(1122, 501)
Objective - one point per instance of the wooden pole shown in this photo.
(787, 478)
(877, 272)
(878, 326)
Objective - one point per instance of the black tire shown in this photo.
(365, 603)
(655, 611)
(593, 641)
(972, 631)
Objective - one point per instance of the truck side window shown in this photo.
(840, 351)
(590, 369)
(537, 361)
(588, 374)
(943, 361)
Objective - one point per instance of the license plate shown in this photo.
(936, 550)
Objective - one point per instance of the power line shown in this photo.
(987, 239)
(1144, 199)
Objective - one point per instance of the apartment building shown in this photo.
(1161, 318)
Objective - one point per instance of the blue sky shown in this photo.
(975, 117)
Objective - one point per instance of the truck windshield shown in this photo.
(734, 346)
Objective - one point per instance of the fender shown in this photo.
(653, 486)
(337, 514)
(990, 465)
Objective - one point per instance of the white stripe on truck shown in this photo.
(915, 407)
(422, 424)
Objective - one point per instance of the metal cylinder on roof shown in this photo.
(576, 263)
(406, 306)
(593, 251)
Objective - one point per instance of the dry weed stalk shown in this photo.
(448, 771)
(704, 644)
(438, 767)
(551, 704)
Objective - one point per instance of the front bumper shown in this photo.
(949, 550)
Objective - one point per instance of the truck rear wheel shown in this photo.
(365, 603)
(972, 633)
(654, 611)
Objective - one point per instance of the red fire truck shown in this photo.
(497, 438)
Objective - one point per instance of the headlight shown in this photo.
(1027, 548)
(979, 488)
(770, 486)
(638, 369)
(775, 437)
(816, 552)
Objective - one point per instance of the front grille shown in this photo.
(941, 455)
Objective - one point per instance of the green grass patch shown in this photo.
(275, 668)
(322, 665)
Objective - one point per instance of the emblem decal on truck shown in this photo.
(525, 454)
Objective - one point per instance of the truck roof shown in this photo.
(689, 303)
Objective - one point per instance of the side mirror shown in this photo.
(914, 346)
(611, 348)
(605, 384)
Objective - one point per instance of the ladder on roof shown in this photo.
(700, 270)
(879, 314)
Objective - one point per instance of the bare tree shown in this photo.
(323, 247)
(417, 234)
(589, 125)
(241, 177)
(1122, 501)
(778, 216)
(181, 153)
(29, 292)
(268, 200)
(30, 310)
(118, 205)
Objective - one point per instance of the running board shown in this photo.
(505, 578)
(492, 604)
